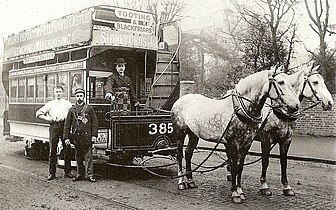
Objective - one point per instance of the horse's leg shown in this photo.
(180, 135)
(284, 147)
(265, 148)
(239, 175)
(192, 144)
(241, 160)
(231, 152)
(228, 170)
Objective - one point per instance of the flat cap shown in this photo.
(79, 90)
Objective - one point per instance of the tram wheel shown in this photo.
(37, 151)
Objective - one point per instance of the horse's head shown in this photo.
(314, 88)
(280, 90)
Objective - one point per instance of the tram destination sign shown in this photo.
(127, 28)
(69, 30)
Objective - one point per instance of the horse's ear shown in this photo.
(280, 69)
(315, 68)
(275, 70)
(272, 71)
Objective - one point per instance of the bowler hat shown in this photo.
(119, 61)
(79, 90)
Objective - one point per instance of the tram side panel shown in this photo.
(138, 136)
(34, 131)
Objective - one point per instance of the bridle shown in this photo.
(241, 109)
(279, 92)
(307, 81)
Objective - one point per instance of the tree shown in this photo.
(320, 22)
(274, 19)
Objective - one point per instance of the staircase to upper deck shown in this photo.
(165, 89)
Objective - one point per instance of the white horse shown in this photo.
(278, 129)
(233, 121)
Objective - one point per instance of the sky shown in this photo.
(17, 15)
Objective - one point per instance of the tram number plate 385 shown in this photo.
(161, 128)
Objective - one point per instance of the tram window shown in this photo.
(31, 65)
(30, 89)
(50, 86)
(78, 54)
(52, 61)
(39, 88)
(63, 57)
(41, 63)
(97, 87)
(21, 65)
(76, 81)
(8, 66)
(22, 88)
(13, 88)
(15, 65)
(62, 80)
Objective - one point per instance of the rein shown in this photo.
(212, 151)
(226, 161)
(242, 115)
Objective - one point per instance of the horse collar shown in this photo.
(242, 112)
(285, 116)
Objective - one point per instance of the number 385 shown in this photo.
(161, 128)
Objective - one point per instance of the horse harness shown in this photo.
(285, 116)
(241, 110)
(307, 81)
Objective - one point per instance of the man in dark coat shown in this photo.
(82, 126)
(119, 80)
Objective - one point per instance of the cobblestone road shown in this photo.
(313, 183)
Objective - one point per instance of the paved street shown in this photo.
(120, 188)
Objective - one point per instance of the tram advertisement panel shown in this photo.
(124, 39)
(68, 30)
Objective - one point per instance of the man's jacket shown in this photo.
(80, 125)
(116, 81)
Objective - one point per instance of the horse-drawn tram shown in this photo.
(79, 50)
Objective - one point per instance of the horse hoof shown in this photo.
(288, 192)
(266, 191)
(229, 177)
(191, 185)
(236, 199)
(242, 196)
(182, 186)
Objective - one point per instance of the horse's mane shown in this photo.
(296, 76)
(252, 82)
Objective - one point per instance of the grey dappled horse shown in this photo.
(233, 121)
(307, 83)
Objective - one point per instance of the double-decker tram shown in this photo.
(79, 50)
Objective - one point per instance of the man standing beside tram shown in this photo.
(119, 82)
(81, 126)
(55, 112)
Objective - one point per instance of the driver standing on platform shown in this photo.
(119, 80)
